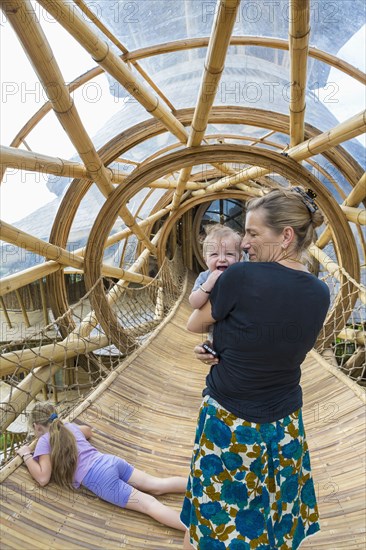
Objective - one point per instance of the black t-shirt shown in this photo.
(268, 317)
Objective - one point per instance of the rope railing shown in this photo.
(347, 351)
(45, 366)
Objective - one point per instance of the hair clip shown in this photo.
(307, 198)
(310, 193)
(52, 417)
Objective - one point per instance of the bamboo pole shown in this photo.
(49, 354)
(356, 196)
(24, 240)
(25, 23)
(353, 335)
(357, 360)
(27, 276)
(348, 129)
(3, 307)
(187, 240)
(355, 215)
(52, 252)
(22, 307)
(111, 63)
(358, 193)
(252, 191)
(299, 32)
(214, 66)
(44, 302)
(45, 164)
(31, 302)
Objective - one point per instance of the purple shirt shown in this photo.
(87, 454)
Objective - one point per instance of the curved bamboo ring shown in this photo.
(145, 130)
(141, 177)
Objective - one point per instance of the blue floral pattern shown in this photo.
(250, 485)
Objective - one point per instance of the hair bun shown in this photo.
(317, 218)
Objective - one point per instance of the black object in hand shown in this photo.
(208, 349)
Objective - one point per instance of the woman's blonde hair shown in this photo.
(64, 452)
(217, 231)
(290, 207)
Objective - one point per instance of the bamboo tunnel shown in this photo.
(102, 331)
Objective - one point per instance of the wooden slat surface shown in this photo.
(148, 416)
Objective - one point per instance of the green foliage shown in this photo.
(5, 441)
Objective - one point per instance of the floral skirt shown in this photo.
(250, 485)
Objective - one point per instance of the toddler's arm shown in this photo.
(199, 297)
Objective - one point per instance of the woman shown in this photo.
(250, 485)
(64, 454)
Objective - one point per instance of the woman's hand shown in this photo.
(25, 450)
(202, 355)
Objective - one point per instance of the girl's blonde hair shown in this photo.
(64, 453)
(290, 207)
(217, 231)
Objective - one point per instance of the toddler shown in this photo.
(221, 248)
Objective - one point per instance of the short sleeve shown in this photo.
(201, 279)
(43, 446)
(223, 294)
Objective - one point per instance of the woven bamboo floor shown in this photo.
(148, 415)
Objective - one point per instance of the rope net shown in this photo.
(342, 339)
(45, 366)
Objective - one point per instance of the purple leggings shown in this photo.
(107, 479)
